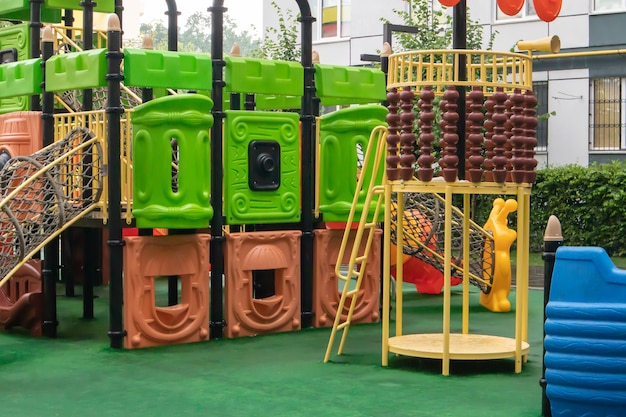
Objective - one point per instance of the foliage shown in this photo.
(589, 202)
(196, 35)
(435, 29)
(280, 43)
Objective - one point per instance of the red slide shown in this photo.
(21, 299)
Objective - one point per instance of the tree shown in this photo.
(435, 29)
(280, 43)
(195, 35)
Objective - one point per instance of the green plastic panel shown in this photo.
(102, 6)
(76, 70)
(167, 69)
(20, 10)
(160, 198)
(242, 205)
(262, 76)
(344, 135)
(355, 84)
(277, 102)
(20, 78)
(18, 37)
(13, 104)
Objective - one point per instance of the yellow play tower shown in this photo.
(500, 138)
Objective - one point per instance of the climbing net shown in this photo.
(43, 192)
(129, 98)
(423, 238)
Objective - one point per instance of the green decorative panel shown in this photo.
(10, 105)
(279, 203)
(355, 85)
(167, 69)
(277, 102)
(172, 128)
(76, 70)
(20, 10)
(102, 6)
(344, 137)
(20, 78)
(18, 37)
(262, 76)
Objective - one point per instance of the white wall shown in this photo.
(568, 130)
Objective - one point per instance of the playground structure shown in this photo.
(266, 240)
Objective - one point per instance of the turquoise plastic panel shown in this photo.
(161, 197)
(167, 69)
(76, 70)
(102, 6)
(242, 205)
(20, 78)
(20, 10)
(344, 136)
(586, 334)
(262, 76)
(357, 85)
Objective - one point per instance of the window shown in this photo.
(606, 5)
(528, 10)
(541, 92)
(333, 18)
(606, 105)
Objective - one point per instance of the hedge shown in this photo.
(589, 202)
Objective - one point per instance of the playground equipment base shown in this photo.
(462, 346)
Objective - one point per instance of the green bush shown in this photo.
(589, 202)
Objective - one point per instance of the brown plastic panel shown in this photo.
(147, 257)
(21, 132)
(262, 251)
(21, 299)
(326, 290)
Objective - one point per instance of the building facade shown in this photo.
(584, 89)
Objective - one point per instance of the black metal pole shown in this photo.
(172, 45)
(50, 269)
(217, 322)
(119, 11)
(35, 37)
(114, 111)
(172, 25)
(459, 41)
(307, 119)
(91, 235)
(552, 240)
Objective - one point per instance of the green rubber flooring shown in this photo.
(274, 375)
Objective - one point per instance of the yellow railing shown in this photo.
(440, 68)
(96, 122)
(70, 37)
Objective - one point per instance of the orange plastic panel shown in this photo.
(21, 133)
(262, 251)
(147, 257)
(326, 290)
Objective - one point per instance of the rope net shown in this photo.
(43, 193)
(423, 238)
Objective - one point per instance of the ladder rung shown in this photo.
(360, 259)
(367, 226)
(352, 292)
(342, 325)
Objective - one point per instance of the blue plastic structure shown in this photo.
(586, 335)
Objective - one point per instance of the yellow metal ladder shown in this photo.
(374, 156)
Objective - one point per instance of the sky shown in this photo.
(245, 13)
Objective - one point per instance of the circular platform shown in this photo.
(462, 346)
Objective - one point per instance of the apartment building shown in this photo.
(585, 88)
